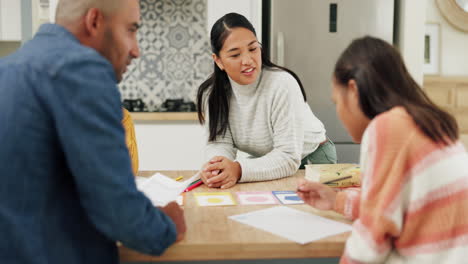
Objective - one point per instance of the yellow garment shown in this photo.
(130, 139)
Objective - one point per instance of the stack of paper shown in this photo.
(161, 189)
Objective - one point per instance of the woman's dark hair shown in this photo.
(384, 82)
(217, 87)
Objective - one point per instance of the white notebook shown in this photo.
(161, 189)
(292, 224)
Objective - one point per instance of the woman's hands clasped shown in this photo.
(221, 172)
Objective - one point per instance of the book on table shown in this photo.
(334, 175)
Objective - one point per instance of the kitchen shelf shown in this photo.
(164, 116)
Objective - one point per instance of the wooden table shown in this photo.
(212, 236)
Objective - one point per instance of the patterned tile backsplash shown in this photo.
(175, 55)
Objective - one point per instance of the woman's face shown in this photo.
(240, 56)
(348, 109)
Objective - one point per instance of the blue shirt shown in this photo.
(67, 192)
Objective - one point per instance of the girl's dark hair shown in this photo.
(217, 87)
(384, 82)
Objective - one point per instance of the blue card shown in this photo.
(288, 197)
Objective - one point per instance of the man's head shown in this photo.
(108, 26)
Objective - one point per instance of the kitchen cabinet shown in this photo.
(165, 144)
(10, 20)
(451, 93)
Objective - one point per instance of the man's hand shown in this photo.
(176, 213)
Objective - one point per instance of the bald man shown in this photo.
(67, 191)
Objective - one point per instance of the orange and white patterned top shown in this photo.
(413, 205)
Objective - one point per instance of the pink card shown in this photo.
(248, 198)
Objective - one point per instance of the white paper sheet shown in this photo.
(161, 189)
(292, 224)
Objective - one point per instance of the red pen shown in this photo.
(193, 186)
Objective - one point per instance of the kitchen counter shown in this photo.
(164, 116)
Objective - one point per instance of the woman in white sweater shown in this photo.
(252, 105)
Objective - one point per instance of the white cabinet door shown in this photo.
(171, 145)
(10, 20)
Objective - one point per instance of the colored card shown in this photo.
(288, 197)
(214, 199)
(248, 198)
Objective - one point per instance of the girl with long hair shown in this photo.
(252, 105)
(413, 204)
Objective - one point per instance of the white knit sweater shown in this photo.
(270, 121)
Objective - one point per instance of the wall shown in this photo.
(411, 18)
(175, 54)
(251, 9)
(453, 43)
